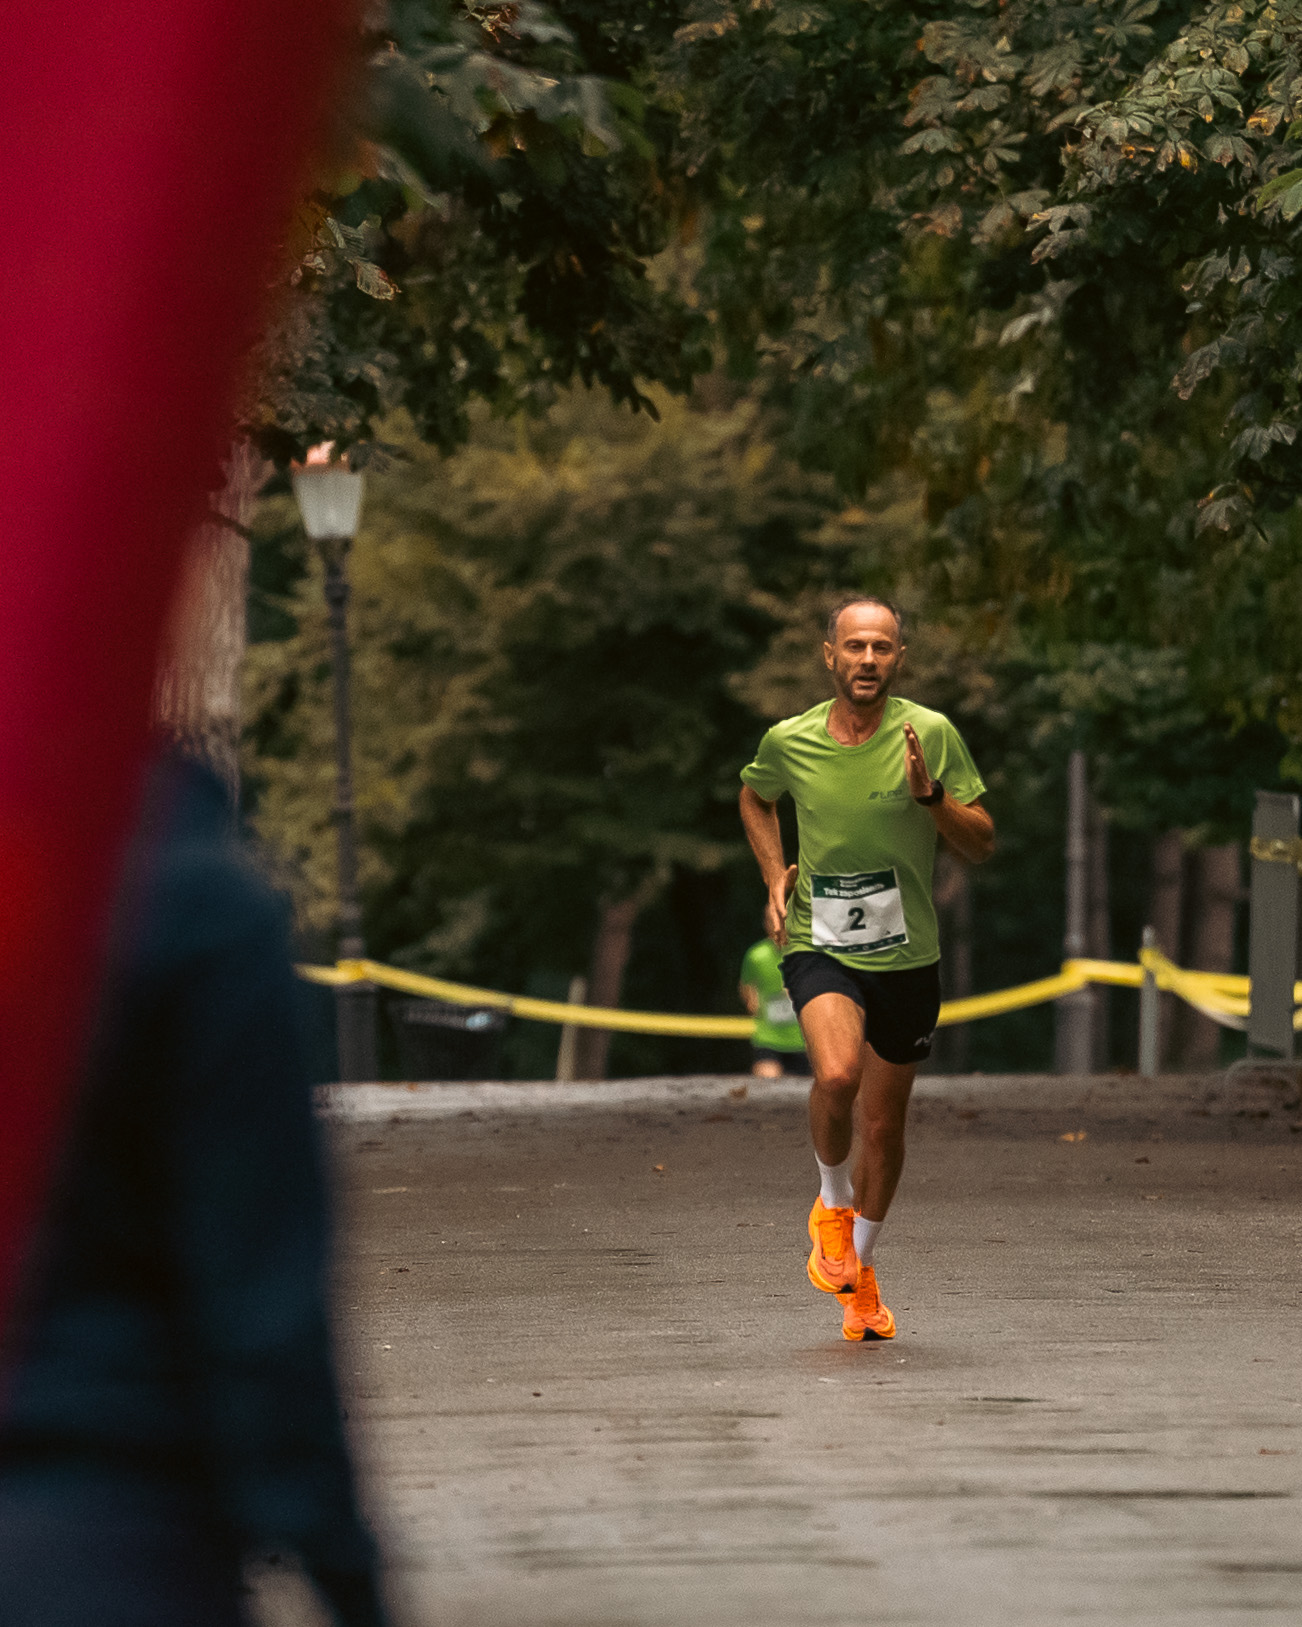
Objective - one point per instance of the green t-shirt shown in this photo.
(776, 1028)
(863, 893)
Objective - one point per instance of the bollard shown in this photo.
(1272, 933)
(356, 1019)
(567, 1053)
(1148, 1014)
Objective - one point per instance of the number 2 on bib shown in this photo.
(857, 914)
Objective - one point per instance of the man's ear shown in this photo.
(829, 655)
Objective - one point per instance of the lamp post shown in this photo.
(329, 498)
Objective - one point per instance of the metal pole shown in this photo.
(1148, 1012)
(567, 1054)
(1074, 1035)
(1272, 929)
(355, 1003)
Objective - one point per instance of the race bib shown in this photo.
(779, 1011)
(857, 914)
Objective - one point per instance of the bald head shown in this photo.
(853, 599)
(863, 651)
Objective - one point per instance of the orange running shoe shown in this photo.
(865, 1315)
(832, 1264)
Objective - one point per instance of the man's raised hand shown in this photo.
(915, 764)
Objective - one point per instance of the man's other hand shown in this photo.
(775, 912)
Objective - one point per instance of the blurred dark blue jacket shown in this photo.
(177, 1326)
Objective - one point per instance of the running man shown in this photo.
(875, 780)
(777, 1045)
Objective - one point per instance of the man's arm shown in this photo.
(760, 820)
(966, 827)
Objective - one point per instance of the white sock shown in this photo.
(865, 1237)
(835, 1186)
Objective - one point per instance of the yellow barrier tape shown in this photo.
(1228, 985)
(1218, 995)
(521, 1005)
(1124, 974)
(1224, 999)
(1067, 981)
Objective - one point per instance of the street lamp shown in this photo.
(329, 496)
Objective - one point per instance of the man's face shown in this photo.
(866, 656)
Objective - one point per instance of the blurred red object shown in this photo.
(151, 151)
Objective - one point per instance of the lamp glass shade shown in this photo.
(329, 499)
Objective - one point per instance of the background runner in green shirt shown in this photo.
(777, 1044)
(876, 781)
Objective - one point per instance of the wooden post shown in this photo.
(1272, 945)
(1148, 1014)
(1075, 1012)
(567, 1054)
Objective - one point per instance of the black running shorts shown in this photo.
(899, 1008)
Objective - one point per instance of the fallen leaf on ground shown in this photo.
(1074, 1135)
(657, 1169)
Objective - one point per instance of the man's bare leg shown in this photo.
(853, 1084)
(833, 1028)
(882, 1105)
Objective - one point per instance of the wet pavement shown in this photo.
(593, 1387)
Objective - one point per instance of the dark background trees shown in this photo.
(986, 305)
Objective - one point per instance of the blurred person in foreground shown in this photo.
(877, 781)
(777, 1046)
(169, 1403)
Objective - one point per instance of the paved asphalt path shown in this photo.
(593, 1387)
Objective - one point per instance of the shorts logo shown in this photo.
(925, 1040)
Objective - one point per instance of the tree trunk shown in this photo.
(610, 951)
(1217, 886)
(197, 692)
(1165, 910)
(1098, 931)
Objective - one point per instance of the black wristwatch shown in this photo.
(935, 795)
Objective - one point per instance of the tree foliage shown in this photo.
(981, 265)
(1210, 130)
(1014, 278)
(554, 631)
(486, 236)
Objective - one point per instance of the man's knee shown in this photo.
(838, 1084)
(883, 1128)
